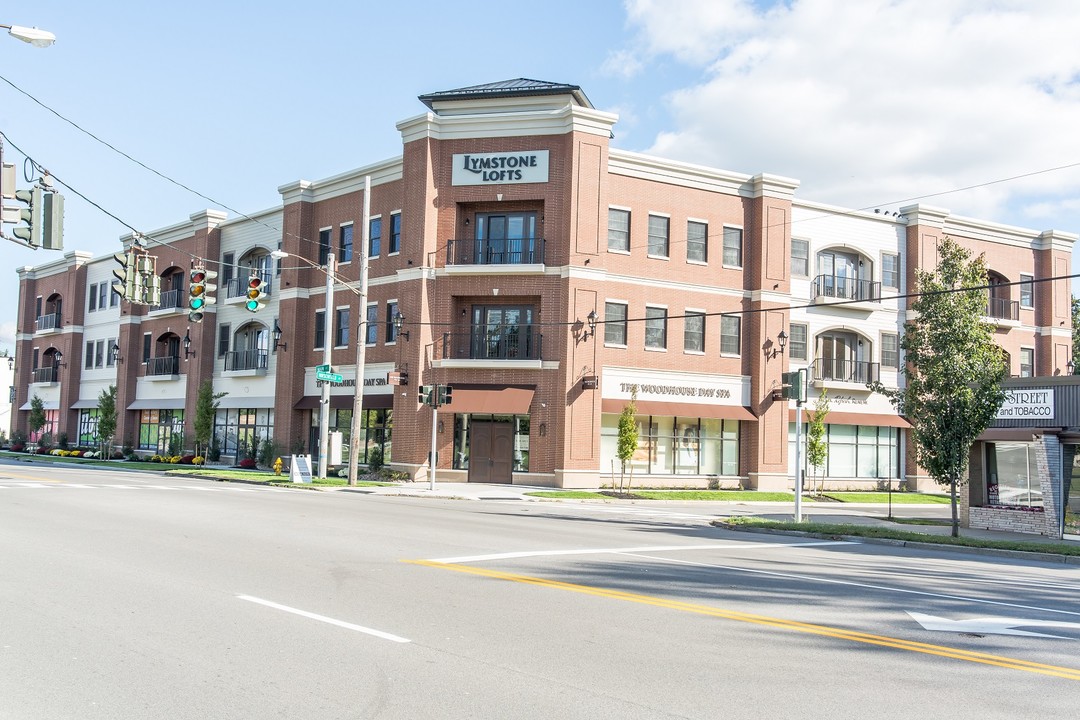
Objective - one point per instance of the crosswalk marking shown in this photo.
(9, 485)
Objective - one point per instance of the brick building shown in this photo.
(507, 221)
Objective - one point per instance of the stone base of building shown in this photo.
(1033, 522)
(923, 484)
(776, 482)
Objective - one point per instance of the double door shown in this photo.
(491, 452)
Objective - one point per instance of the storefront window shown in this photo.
(156, 427)
(376, 426)
(853, 451)
(243, 430)
(674, 446)
(88, 425)
(1013, 475)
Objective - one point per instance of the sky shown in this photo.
(969, 105)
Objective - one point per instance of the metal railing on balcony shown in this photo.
(510, 342)
(170, 300)
(246, 360)
(47, 322)
(1003, 309)
(44, 375)
(849, 371)
(846, 288)
(238, 286)
(514, 251)
(168, 365)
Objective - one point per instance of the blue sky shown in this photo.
(868, 104)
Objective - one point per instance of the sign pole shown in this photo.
(361, 342)
(324, 402)
(798, 453)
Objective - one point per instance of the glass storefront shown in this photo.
(88, 425)
(243, 428)
(376, 426)
(156, 427)
(854, 451)
(1013, 475)
(674, 446)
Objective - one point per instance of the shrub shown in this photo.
(75, 453)
(375, 459)
(18, 437)
(46, 441)
(198, 460)
(268, 451)
(43, 451)
(186, 459)
(18, 447)
(62, 440)
(247, 464)
(174, 460)
(154, 458)
(57, 452)
(215, 449)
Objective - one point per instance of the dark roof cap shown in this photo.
(521, 87)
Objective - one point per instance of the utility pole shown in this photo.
(361, 339)
(324, 402)
(798, 447)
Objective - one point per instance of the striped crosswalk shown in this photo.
(11, 484)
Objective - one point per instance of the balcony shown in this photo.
(237, 287)
(515, 255)
(45, 376)
(1003, 312)
(45, 323)
(247, 362)
(170, 300)
(163, 368)
(837, 289)
(833, 373)
(490, 347)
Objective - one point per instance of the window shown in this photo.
(733, 247)
(675, 445)
(1027, 362)
(324, 245)
(730, 334)
(618, 232)
(114, 299)
(110, 353)
(88, 425)
(658, 235)
(146, 347)
(856, 451)
(395, 234)
(371, 334)
(697, 241)
(375, 237)
(103, 290)
(89, 363)
(890, 270)
(614, 323)
(391, 330)
(694, 331)
(797, 342)
(224, 331)
(93, 297)
(341, 328)
(1027, 291)
(320, 330)
(890, 350)
(800, 258)
(99, 354)
(1013, 475)
(345, 243)
(656, 328)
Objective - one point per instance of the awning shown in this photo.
(158, 404)
(690, 410)
(84, 404)
(382, 401)
(854, 418)
(246, 401)
(491, 399)
(45, 405)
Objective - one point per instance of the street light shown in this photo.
(34, 36)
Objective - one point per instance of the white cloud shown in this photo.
(880, 101)
(622, 63)
(7, 336)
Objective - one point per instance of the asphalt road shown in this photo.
(125, 595)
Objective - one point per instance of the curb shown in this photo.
(861, 540)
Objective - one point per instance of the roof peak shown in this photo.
(518, 87)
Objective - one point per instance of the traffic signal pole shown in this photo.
(798, 454)
(328, 338)
(361, 341)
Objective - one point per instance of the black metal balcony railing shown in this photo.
(514, 251)
(1003, 309)
(238, 286)
(168, 365)
(851, 371)
(508, 342)
(47, 322)
(246, 360)
(846, 288)
(170, 300)
(45, 375)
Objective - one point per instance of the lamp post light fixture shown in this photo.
(781, 340)
(188, 352)
(399, 321)
(35, 36)
(11, 362)
(115, 350)
(592, 318)
(277, 338)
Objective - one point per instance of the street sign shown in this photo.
(328, 376)
(322, 368)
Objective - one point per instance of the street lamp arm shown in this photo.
(34, 36)
(281, 254)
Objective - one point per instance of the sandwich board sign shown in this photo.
(300, 469)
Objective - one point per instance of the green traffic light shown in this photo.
(252, 305)
(197, 303)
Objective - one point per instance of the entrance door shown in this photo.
(491, 448)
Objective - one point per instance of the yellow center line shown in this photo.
(823, 630)
(18, 477)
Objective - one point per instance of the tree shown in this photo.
(816, 447)
(953, 369)
(206, 407)
(1076, 335)
(628, 437)
(106, 427)
(37, 418)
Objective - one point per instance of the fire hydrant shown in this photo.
(277, 466)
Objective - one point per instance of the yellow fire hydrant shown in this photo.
(277, 466)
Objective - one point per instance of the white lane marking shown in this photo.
(656, 548)
(990, 625)
(323, 618)
(868, 586)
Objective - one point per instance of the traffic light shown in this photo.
(446, 394)
(52, 222)
(148, 284)
(425, 393)
(792, 386)
(31, 232)
(197, 294)
(256, 293)
(125, 285)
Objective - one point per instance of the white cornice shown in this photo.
(71, 260)
(670, 172)
(352, 181)
(520, 123)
